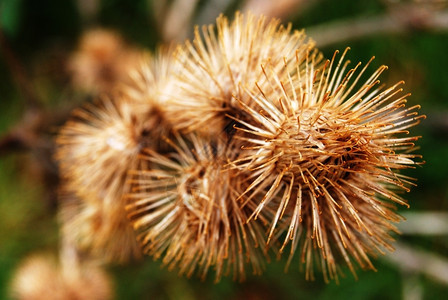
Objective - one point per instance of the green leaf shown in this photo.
(10, 16)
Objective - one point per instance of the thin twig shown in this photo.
(10, 142)
(160, 9)
(283, 9)
(396, 21)
(425, 223)
(32, 131)
(412, 287)
(413, 260)
(211, 10)
(178, 20)
(88, 10)
(437, 121)
(69, 259)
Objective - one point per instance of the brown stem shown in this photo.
(283, 9)
(31, 133)
(416, 260)
(11, 143)
(397, 21)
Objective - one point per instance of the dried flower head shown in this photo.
(98, 228)
(325, 150)
(184, 207)
(152, 79)
(95, 151)
(102, 60)
(41, 278)
(213, 68)
(256, 129)
(150, 85)
(91, 142)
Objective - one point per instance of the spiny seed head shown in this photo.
(151, 83)
(185, 210)
(257, 130)
(215, 65)
(97, 148)
(98, 145)
(324, 150)
(39, 277)
(152, 79)
(101, 61)
(98, 228)
(95, 151)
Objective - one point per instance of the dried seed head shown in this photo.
(214, 66)
(309, 148)
(325, 151)
(102, 61)
(98, 146)
(90, 144)
(185, 210)
(152, 78)
(98, 228)
(95, 151)
(152, 81)
(41, 278)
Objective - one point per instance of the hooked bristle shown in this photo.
(214, 68)
(183, 207)
(242, 141)
(327, 150)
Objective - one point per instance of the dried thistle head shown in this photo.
(213, 68)
(95, 151)
(184, 208)
(40, 277)
(90, 143)
(314, 151)
(102, 61)
(152, 78)
(150, 85)
(97, 228)
(325, 151)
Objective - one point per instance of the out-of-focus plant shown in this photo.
(214, 154)
(263, 132)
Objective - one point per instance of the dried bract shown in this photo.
(41, 278)
(214, 67)
(325, 151)
(102, 61)
(243, 128)
(184, 207)
(95, 151)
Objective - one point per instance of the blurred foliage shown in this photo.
(10, 15)
(44, 32)
(328, 10)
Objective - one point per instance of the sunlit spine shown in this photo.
(219, 62)
(184, 208)
(324, 151)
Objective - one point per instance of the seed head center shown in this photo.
(320, 147)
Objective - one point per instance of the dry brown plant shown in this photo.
(185, 210)
(102, 61)
(217, 64)
(325, 152)
(243, 140)
(40, 277)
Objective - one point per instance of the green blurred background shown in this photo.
(42, 34)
